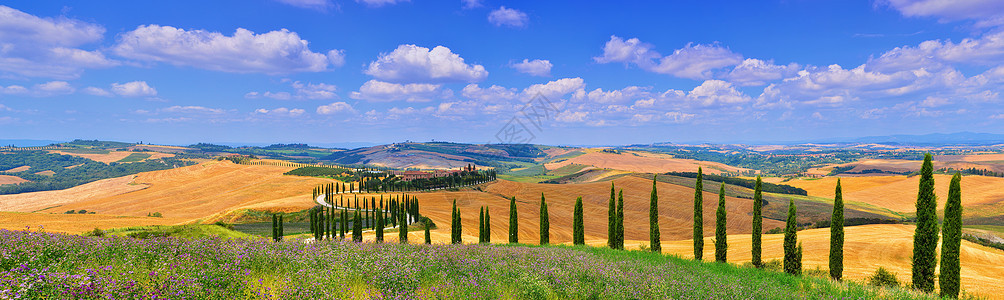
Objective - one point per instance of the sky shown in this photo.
(329, 72)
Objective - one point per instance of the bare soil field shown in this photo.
(899, 193)
(74, 223)
(7, 179)
(866, 248)
(200, 191)
(113, 156)
(643, 162)
(29, 202)
(18, 169)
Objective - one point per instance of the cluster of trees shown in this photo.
(746, 183)
(367, 181)
(973, 171)
(70, 171)
(333, 220)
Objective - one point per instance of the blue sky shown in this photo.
(330, 72)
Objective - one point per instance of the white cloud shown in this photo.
(717, 92)
(616, 96)
(554, 90)
(193, 110)
(319, 5)
(334, 108)
(301, 91)
(985, 12)
(694, 61)
(274, 52)
(469, 4)
(835, 86)
(508, 17)
(47, 89)
(935, 54)
(753, 72)
(411, 63)
(134, 89)
(678, 117)
(536, 67)
(48, 47)
(280, 112)
(492, 94)
(379, 91)
(97, 91)
(379, 3)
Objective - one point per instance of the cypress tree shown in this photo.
(925, 239)
(612, 220)
(619, 230)
(481, 225)
(513, 222)
(951, 235)
(455, 232)
(757, 223)
(357, 227)
(545, 226)
(721, 237)
(281, 230)
(428, 236)
(790, 241)
(699, 215)
(837, 235)
(379, 225)
(488, 226)
(654, 237)
(578, 234)
(275, 228)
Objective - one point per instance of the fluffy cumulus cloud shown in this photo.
(984, 50)
(47, 89)
(320, 5)
(379, 3)
(274, 52)
(536, 67)
(755, 72)
(48, 47)
(556, 89)
(508, 17)
(492, 94)
(717, 92)
(836, 86)
(335, 108)
(985, 12)
(301, 91)
(379, 91)
(694, 61)
(615, 96)
(280, 112)
(133, 89)
(411, 63)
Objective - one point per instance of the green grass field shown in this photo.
(134, 157)
(180, 231)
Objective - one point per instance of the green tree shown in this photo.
(488, 226)
(357, 227)
(721, 237)
(925, 239)
(513, 222)
(612, 220)
(402, 233)
(481, 225)
(654, 236)
(757, 223)
(275, 228)
(428, 236)
(578, 234)
(791, 264)
(837, 235)
(951, 235)
(281, 230)
(699, 215)
(379, 225)
(545, 223)
(455, 232)
(620, 220)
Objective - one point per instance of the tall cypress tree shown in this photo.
(379, 225)
(699, 215)
(428, 236)
(612, 220)
(455, 225)
(951, 235)
(545, 226)
(619, 232)
(925, 239)
(513, 222)
(357, 227)
(757, 223)
(578, 234)
(837, 235)
(481, 225)
(791, 241)
(654, 237)
(275, 228)
(721, 237)
(402, 233)
(281, 230)
(488, 226)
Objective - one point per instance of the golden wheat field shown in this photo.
(75, 223)
(113, 156)
(899, 193)
(29, 202)
(643, 162)
(7, 179)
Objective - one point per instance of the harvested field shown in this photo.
(29, 202)
(899, 193)
(18, 169)
(200, 191)
(643, 162)
(74, 223)
(46, 173)
(113, 156)
(7, 179)
(866, 248)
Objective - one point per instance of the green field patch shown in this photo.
(179, 231)
(134, 157)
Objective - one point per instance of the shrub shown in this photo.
(776, 230)
(96, 232)
(82, 211)
(218, 223)
(883, 277)
(158, 215)
(70, 212)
